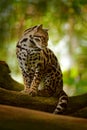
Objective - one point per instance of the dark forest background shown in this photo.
(67, 24)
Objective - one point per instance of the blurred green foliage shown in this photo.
(64, 18)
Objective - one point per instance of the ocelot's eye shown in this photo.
(37, 39)
(24, 40)
(31, 36)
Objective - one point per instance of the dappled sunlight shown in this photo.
(62, 52)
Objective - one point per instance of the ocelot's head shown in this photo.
(35, 37)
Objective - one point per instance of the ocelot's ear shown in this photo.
(30, 29)
(39, 27)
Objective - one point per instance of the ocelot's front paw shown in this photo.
(32, 91)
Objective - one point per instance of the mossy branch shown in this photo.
(77, 105)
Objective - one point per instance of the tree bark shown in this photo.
(14, 118)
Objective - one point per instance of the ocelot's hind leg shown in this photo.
(49, 83)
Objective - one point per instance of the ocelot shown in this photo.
(40, 68)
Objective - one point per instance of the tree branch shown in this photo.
(43, 103)
(76, 106)
(14, 118)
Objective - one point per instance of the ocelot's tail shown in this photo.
(62, 103)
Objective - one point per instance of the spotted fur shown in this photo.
(40, 68)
